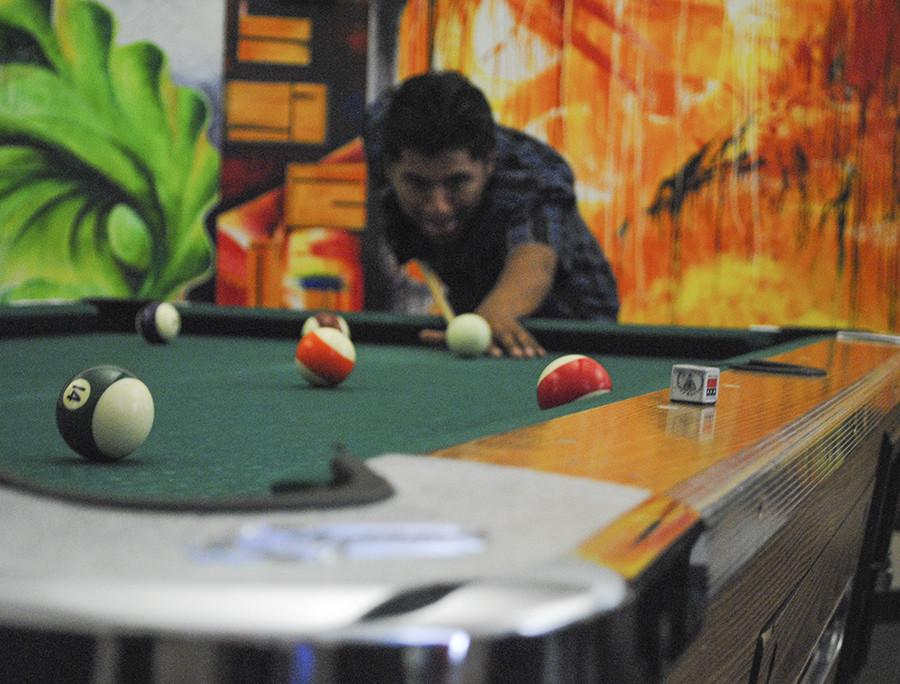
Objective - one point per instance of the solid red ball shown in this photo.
(569, 378)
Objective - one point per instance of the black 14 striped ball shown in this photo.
(104, 413)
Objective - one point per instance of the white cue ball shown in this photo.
(468, 335)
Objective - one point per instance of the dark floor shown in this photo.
(883, 664)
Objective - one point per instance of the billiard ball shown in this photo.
(158, 322)
(468, 335)
(325, 319)
(325, 357)
(571, 377)
(104, 413)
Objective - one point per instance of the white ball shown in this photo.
(468, 335)
(168, 321)
(122, 418)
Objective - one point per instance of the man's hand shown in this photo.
(510, 338)
(523, 284)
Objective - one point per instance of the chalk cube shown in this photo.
(694, 384)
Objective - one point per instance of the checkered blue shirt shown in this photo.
(530, 198)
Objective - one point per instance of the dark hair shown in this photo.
(436, 112)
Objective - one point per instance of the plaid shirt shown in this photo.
(530, 198)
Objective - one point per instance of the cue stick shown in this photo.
(436, 288)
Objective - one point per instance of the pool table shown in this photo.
(425, 521)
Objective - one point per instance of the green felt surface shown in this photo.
(233, 416)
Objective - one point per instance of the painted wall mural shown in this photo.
(738, 159)
(293, 184)
(106, 170)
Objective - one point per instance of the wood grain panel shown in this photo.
(800, 624)
(631, 442)
(780, 477)
(772, 428)
(723, 650)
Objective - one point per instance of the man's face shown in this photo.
(438, 193)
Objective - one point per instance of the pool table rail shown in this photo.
(588, 337)
(778, 477)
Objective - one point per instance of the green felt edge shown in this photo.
(117, 315)
(47, 319)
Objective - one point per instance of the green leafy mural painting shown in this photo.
(106, 170)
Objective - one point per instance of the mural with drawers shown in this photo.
(293, 176)
(737, 159)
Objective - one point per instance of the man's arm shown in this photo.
(523, 284)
